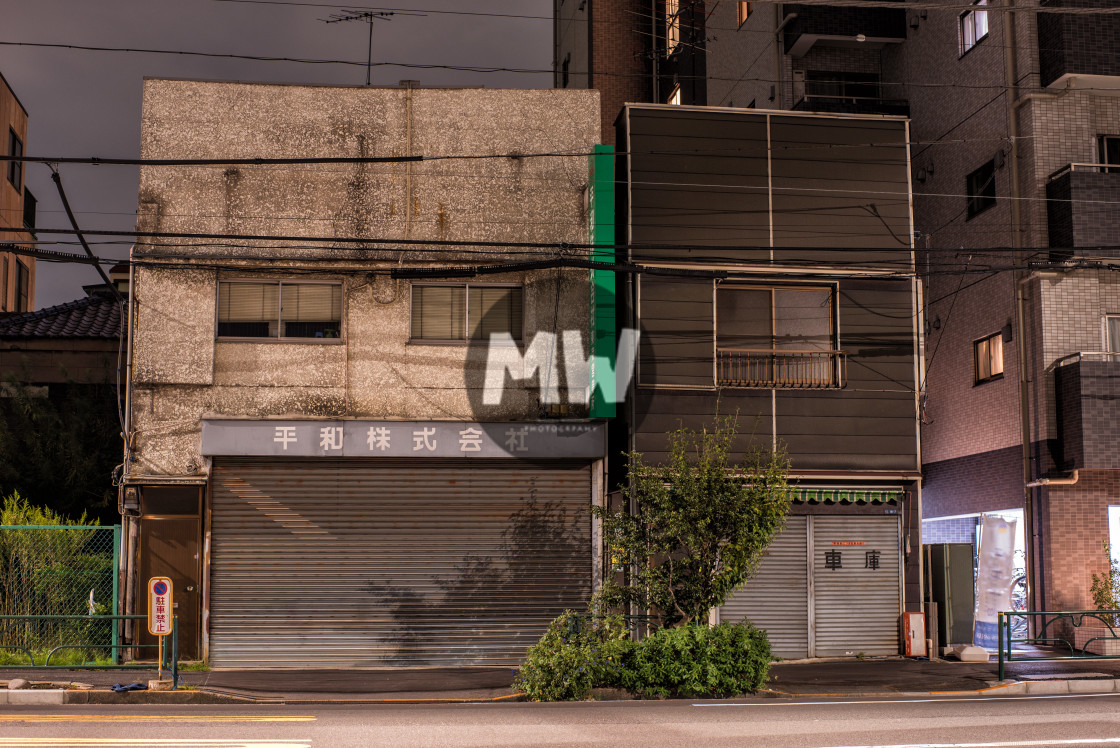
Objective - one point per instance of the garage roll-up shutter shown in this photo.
(857, 600)
(328, 563)
(776, 597)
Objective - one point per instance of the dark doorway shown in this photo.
(169, 547)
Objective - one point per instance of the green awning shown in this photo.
(848, 495)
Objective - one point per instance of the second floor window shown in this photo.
(776, 337)
(989, 358)
(458, 313)
(23, 288)
(281, 310)
(1112, 334)
(15, 168)
(980, 187)
(744, 11)
(974, 25)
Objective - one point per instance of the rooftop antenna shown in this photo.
(369, 17)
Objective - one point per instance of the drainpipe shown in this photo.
(1011, 71)
(781, 96)
(131, 528)
(1069, 480)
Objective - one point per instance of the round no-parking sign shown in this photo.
(159, 606)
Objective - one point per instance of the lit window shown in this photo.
(448, 313)
(675, 96)
(989, 358)
(1112, 333)
(672, 25)
(974, 25)
(776, 337)
(744, 11)
(1108, 152)
(285, 310)
(980, 188)
(15, 168)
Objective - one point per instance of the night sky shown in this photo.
(87, 103)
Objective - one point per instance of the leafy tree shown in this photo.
(699, 524)
(59, 451)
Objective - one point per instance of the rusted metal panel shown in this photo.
(776, 598)
(353, 562)
(857, 594)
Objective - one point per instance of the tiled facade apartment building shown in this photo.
(1015, 131)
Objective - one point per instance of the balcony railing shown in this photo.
(1096, 168)
(852, 104)
(808, 370)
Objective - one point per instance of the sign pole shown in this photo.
(160, 606)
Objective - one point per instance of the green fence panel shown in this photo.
(61, 571)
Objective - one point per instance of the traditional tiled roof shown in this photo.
(97, 316)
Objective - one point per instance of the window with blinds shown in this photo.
(467, 312)
(279, 310)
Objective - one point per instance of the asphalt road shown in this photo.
(1007, 722)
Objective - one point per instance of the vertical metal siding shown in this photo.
(776, 597)
(332, 563)
(856, 608)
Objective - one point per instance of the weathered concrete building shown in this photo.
(316, 453)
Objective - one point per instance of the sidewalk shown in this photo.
(873, 677)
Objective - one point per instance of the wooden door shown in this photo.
(170, 548)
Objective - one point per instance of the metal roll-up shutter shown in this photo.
(856, 606)
(329, 563)
(776, 598)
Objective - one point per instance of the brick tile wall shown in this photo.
(1075, 524)
(959, 530)
(620, 63)
(976, 483)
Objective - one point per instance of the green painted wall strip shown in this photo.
(601, 227)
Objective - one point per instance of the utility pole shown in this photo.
(369, 17)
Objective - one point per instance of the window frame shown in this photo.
(674, 98)
(466, 339)
(672, 26)
(836, 356)
(15, 168)
(1103, 141)
(968, 24)
(980, 201)
(278, 338)
(986, 344)
(23, 288)
(743, 11)
(1106, 324)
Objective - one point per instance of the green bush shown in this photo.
(573, 657)
(699, 661)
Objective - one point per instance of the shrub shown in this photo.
(699, 661)
(573, 657)
(1105, 588)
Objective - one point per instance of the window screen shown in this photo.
(494, 309)
(453, 313)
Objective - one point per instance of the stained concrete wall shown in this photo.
(182, 373)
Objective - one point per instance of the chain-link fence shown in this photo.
(58, 574)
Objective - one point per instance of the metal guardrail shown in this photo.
(748, 367)
(170, 654)
(1046, 634)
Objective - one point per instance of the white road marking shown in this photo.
(955, 700)
(154, 742)
(1015, 744)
